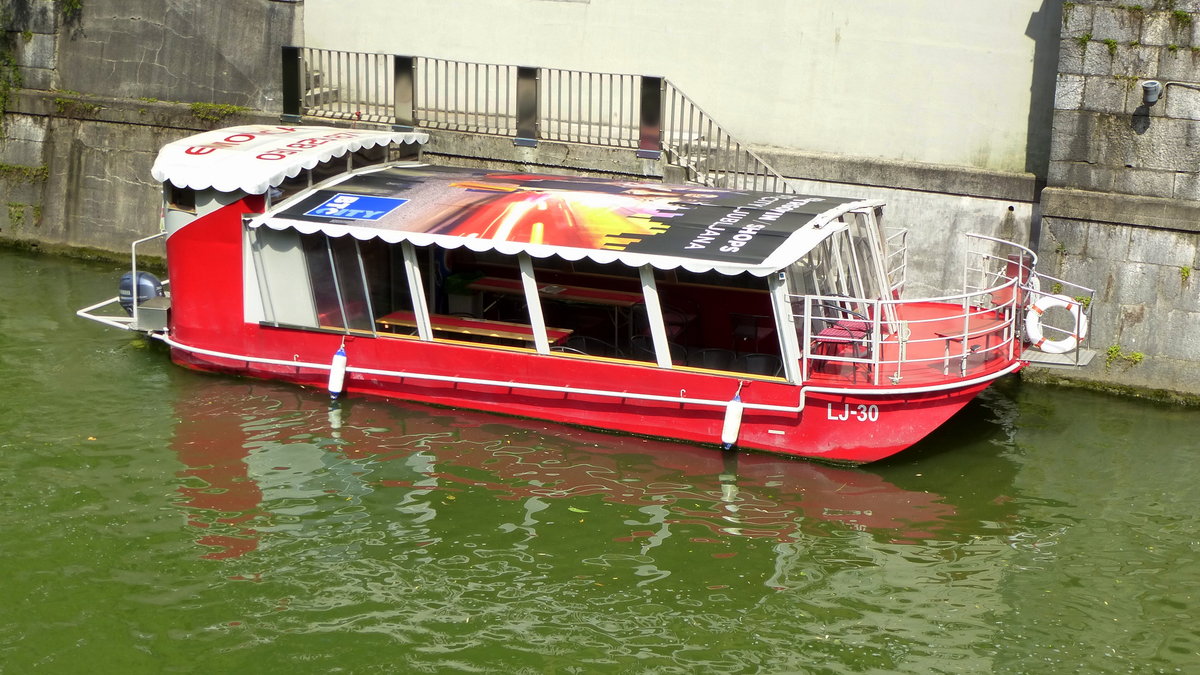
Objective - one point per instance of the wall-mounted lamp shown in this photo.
(1151, 91)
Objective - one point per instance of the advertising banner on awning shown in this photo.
(708, 227)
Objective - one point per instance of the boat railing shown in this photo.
(934, 337)
(896, 262)
(122, 321)
(988, 261)
(1066, 332)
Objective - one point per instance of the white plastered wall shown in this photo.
(910, 80)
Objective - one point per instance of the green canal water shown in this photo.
(156, 520)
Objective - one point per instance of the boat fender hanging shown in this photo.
(1033, 324)
(337, 372)
(733, 422)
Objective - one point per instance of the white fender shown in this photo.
(1033, 283)
(1033, 324)
(733, 422)
(337, 372)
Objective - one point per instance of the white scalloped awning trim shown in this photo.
(795, 247)
(255, 157)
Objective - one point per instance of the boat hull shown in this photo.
(855, 426)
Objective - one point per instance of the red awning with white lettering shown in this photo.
(571, 217)
(255, 157)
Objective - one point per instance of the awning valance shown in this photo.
(254, 157)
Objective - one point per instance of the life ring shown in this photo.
(1033, 324)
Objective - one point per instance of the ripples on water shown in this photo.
(476, 541)
(157, 520)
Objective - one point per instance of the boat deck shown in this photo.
(933, 344)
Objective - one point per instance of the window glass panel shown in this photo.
(321, 276)
(356, 305)
(281, 271)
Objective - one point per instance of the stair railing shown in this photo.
(648, 114)
(709, 154)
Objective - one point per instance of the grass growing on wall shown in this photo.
(1114, 354)
(16, 214)
(72, 107)
(71, 8)
(215, 112)
(24, 174)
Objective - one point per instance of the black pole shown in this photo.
(650, 124)
(527, 106)
(293, 85)
(404, 84)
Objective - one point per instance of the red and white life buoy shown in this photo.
(1033, 324)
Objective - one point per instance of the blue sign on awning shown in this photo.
(356, 207)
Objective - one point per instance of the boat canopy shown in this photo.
(572, 217)
(255, 157)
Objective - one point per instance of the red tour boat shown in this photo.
(764, 321)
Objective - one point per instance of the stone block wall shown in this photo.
(1105, 138)
(1122, 202)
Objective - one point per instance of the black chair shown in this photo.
(642, 347)
(594, 346)
(758, 364)
(750, 331)
(563, 349)
(675, 319)
(713, 358)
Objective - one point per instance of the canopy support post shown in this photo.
(785, 326)
(420, 308)
(658, 332)
(534, 302)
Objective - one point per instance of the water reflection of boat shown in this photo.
(260, 459)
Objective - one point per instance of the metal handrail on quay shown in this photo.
(646, 114)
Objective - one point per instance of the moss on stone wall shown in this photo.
(24, 174)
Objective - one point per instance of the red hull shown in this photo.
(864, 427)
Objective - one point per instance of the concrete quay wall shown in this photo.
(88, 188)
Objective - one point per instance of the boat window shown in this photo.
(716, 322)
(368, 156)
(329, 168)
(711, 320)
(181, 199)
(477, 297)
(329, 283)
(281, 277)
(338, 281)
(290, 186)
